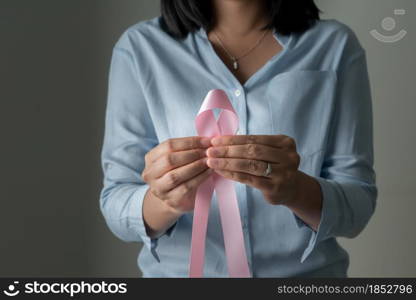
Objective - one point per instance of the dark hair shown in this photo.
(180, 17)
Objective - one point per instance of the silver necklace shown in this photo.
(235, 59)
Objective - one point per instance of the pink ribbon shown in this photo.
(207, 125)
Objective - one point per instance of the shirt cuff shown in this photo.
(136, 211)
(329, 214)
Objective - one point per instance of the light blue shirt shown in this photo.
(316, 90)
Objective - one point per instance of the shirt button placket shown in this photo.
(237, 93)
(241, 109)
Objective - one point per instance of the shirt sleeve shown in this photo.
(347, 179)
(129, 135)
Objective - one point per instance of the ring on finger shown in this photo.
(268, 170)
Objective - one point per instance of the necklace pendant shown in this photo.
(235, 65)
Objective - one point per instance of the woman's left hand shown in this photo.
(244, 158)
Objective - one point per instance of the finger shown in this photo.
(176, 195)
(279, 141)
(249, 151)
(173, 160)
(261, 183)
(179, 175)
(177, 144)
(249, 166)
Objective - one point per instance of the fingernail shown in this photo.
(212, 162)
(215, 141)
(206, 142)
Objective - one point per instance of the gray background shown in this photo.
(54, 60)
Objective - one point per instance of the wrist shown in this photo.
(301, 184)
(307, 204)
(157, 215)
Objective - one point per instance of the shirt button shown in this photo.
(237, 93)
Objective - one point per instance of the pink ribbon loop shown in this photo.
(207, 125)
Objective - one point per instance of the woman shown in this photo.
(301, 91)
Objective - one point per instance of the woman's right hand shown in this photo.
(174, 169)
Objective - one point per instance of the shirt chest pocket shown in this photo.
(300, 104)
